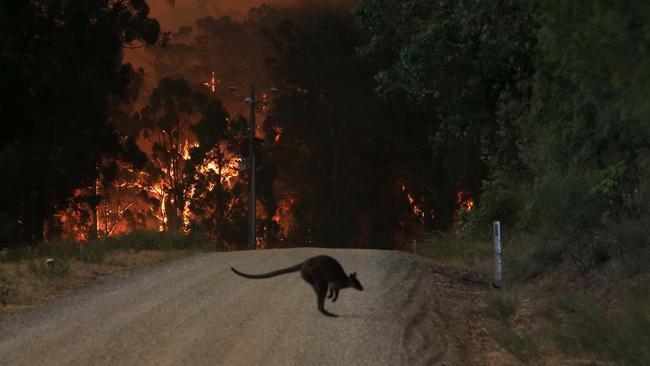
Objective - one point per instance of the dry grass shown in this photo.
(548, 312)
(30, 283)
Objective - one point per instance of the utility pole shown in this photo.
(250, 164)
(252, 242)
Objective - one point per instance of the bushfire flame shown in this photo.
(278, 134)
(212, 83)
(417, 211)
(464, 201)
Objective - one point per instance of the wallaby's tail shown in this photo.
(270, 274)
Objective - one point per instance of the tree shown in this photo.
(588, 137)
(217, 190)
(165, 125)
(459, 62)
(60, 62)
(327, 134)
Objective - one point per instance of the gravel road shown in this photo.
(195, 311)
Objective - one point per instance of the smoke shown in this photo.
(226, 37)
(185, 12)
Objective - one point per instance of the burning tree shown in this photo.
(63, 60)
(193, 166)
(213, 174)
(166, 136)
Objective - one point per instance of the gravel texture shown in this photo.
(195, 311)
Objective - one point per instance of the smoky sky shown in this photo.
(219, 36)
(185, 12)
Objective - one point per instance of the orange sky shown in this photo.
(185, 12)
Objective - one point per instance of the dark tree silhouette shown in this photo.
(60, 62)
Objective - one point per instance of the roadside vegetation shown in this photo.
(550, 309)
(552, 97)
(31, 276)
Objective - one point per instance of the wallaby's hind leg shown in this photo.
(336, 294)
(333, 293)
(321, 291)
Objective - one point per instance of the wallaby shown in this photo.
(323, 273)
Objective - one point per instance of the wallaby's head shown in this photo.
(354, 282)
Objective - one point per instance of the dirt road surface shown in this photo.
(195, 311)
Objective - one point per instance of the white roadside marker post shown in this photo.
(496, 229)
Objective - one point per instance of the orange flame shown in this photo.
(282, 215)
(417, 210)
(212, 83)
(278, 134)
(465, 202)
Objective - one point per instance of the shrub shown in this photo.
(521, 345)
(500, 306)
(581, 326)
(55, 269)
(542, 257)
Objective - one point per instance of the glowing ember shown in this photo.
(283, 208)
(278, 134)
(464, 201)
(212, 83)
(417, 211)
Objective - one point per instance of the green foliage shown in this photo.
(501, 306)
(521, 345)
(622, 335)
(462, 63)
(587, 137)
(500, 201)
(581, 138)
(543, 257)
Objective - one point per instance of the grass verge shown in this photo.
(621, 335)
(29, 277)
(500, 306)
(549, 311)
(521, 345)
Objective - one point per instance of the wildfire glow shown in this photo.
(186, 149)
(283, 208)
(278, 134)
(212, 83)
(465, 202)
(146, 198)
(158, 190)
(228, 172)
(417, 211)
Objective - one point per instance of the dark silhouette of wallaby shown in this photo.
(323, 273)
